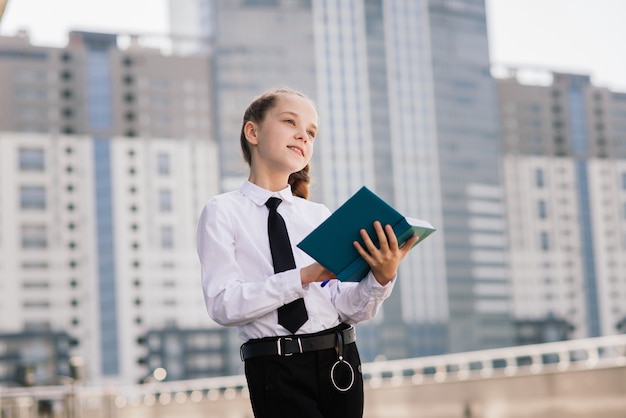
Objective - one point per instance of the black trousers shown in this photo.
(300, 386)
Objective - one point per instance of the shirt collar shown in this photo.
(260, 195)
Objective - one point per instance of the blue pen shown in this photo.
(325, 282)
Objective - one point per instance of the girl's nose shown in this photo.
(302, 134)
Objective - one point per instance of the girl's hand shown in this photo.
(385, 259)
(315, 273)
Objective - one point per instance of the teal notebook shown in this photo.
(330, 243)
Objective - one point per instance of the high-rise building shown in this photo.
(254, 45)
(565, 175)
(192, 27)
(469, 151)
(105, 160)
(407, 107)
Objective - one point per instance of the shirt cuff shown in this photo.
(378, 290)
(291, 285)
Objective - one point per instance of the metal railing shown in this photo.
(591, 353)
(609, 351)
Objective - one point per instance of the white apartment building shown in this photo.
(546, 235)
(107, 158)
(545, 240)
(104, 250)
(565, 181)
(607, 196)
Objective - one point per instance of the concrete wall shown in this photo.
(598, 393)
(549, 393)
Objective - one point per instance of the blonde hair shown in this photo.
(256, 111)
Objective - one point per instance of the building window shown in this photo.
(34, 265)
(165, 200)
(167, 237)
(163, 164)
(35, 285)
(541, 209)
(624, 181)
(36, 304)
(539, 180)
(31, 159)
(545, 244)
(32, 197)
(34, 236)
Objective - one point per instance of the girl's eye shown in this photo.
(311, 134)
(290, 121)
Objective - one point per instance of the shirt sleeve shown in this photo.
(232, 299)
(358, 302)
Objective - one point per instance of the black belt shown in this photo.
(289, 345)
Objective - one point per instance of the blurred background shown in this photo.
(502, 122)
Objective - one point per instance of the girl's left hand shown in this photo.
(384, 259)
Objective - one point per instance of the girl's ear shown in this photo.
(250, 131)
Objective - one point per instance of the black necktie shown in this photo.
(292, 315)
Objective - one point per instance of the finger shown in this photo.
(369, 244)
(383, 243)
(366, 255)
(408, 244)
(391, 238)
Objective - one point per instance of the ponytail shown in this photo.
(300, 181)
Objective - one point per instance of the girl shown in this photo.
(311, 367)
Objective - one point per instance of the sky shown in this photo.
(578, 36)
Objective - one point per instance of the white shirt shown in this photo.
(238, 279)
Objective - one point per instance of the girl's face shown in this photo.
(283, 141)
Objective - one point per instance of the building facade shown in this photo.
(106, 158)
(565, 147)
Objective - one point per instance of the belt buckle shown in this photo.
(280, 348)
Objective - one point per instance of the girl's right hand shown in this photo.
(315, 273)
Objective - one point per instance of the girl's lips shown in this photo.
(296, 149)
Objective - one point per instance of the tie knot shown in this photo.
(273, 203)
